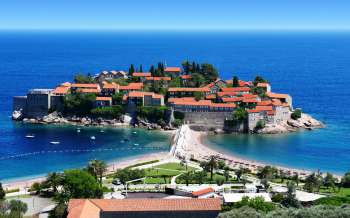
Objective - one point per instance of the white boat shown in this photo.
(134, 132)
(102, 130)
(78, 130)
(55, 142)
(136, 144)
(30, 136)
(92, 137)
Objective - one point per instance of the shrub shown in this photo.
(335, 201)
(239, 115)
(152, 113)
(79, 104)
(296, 114)
(108, 112)
(177, 122)
(219, 180)
(179, 115)
(277, 198)
(260, 125)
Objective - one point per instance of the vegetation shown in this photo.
(117, 99)
(12, 209)
(78, 184)
(312, 183)
(154, 114)
(239, 115)
(319, 211)
(259, 79)
(113, 112)
(198, 96)
(79, 104)
(80, 78)
(2, 192)
(126, 174)
(260, 125)
(256, 203)
(267, 172)
(97, 168)
(296, 114)
(201, 73)
(235, 81)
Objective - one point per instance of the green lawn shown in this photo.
(179, 180)
(343, 192)
(175, 166)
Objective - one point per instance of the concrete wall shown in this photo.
(38, 102)
(209, 119)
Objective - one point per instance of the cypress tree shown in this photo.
(131, 69)
(235, 82)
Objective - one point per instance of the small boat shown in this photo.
(92, 137)
(134, 132)
(78, 130)
(126, 140)
(55, 142)
(136, 144)
(30, 136)
(102, 130)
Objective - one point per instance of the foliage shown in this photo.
(79, 104)
(2, 192)
(259, 79)
(221, 164)
(227, 174)
(78, 184)
(79, 78)
(319, 211)
(176, 82)
(296, 114)
(219, 181)
(212, 164)
(60, 211)
(197, 80)
(201, 73)
(258, 91)
(121, 81)
(97, 168)
(131, 69)
(200, 176)
(334, 200)
(209, 72)
(260, 125)
(267, 172)
(18, 206)
(235, 82)
(126, 174)
(242, 212)
(277, 198)
(113, 112)
(312, 183)
(36, 187)
(290, 199)
(198, 96)
(239, 115)
(258, 203)
(240, 172)
(177, 122)
(346, 180)
(152, 113)
(117, 98)
(179, 115)
(53, 180)
(329, 181)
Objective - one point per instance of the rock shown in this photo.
(273, 129)
(294, 123)
(218, 131)
(126, 118)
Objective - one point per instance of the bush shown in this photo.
(152, 113)
(177, 122)
(243, 212)
(260, 125)
(239, 115)
(179, 115)
(335, 201)
(79, 104)
(112, 112)
(277, 198)
(80, 78)
(296, 114)
(219, 180)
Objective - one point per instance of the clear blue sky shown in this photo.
(175, 14)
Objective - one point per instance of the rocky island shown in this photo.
(165, 98)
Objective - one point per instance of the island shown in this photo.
(165, 98)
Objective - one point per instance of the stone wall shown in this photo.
(20, 104)
(208, 119)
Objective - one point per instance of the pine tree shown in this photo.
(131, 69)
(141, 70)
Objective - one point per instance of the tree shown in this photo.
(186, 66)
(131, 69)
(329, 181)
(200, 176)
(117, 98)
(54, 180)
(197, 80)
(198, 96)
(78, 184)
(295, 178)
(240, 172)
(296, 114)
(221, 164)
(312, 183)
(259, 79)
(265, 183)
(209, 72)
(152, 70)
(290, 199)
(79, 104)
(18, 206)
(260, 125)
(80, 78)
(36, 187)
(60, 211)
(126, 174)
(239, 115)
(97, 168)
(187, 177)
(235, 81)
(176, 82)
(140, 69)
(212, 163)
(267, 172)
(2, 192)
(227, 175)
(345, 181)
(242, 212)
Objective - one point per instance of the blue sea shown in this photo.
(313, 67)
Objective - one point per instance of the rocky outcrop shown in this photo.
(291, 125)
(17, 115)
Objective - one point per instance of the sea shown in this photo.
(313, 67)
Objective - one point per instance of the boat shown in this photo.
(55, 142)
(134, 132)
(78, 130)
(102, 130)
(92, 137)
(136, 144)
(30, 136)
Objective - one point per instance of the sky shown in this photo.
(176, 14)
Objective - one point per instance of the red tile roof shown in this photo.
(172, 70)
(249, 95)
(241, 83)
(136, 94)
(235, 99)
(165, 78)
(172, 100)
(276, 95)
(188, 89)
(203, 191)
(206, 103)
(236, 89)
(89, 90)
(186, 76)
(61, 90)
(110, 86)
(141, 74)
(132, 86)
(103, 98)
(211, 96)
(85, 85)
(77, 206)
(250, 100)
(264, 103)
(221, 94)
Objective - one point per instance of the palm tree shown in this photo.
(97, 168)
(54, 180)
(200, 176)
(212, 163)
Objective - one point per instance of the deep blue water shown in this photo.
(313, 67)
